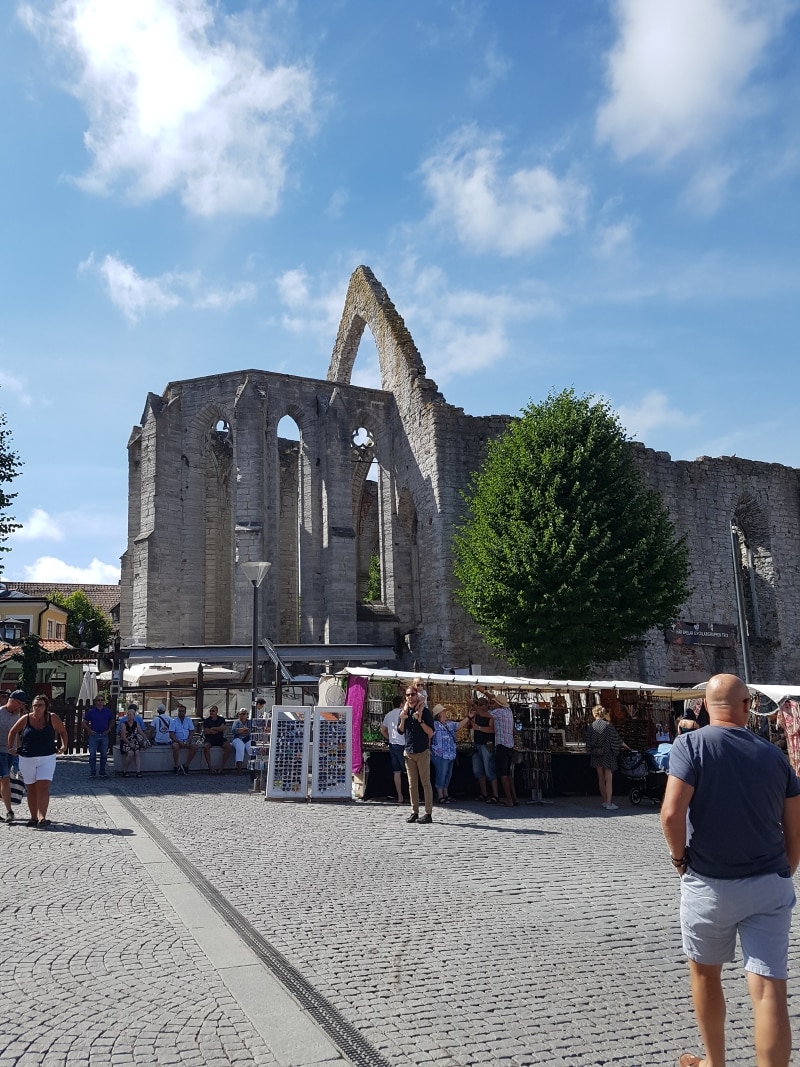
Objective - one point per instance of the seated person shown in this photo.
(181, 728)
(134, 707)
(160, 726)
(240, 738)
(214, 732)
(132, 739)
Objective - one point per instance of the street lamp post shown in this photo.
(256, 573)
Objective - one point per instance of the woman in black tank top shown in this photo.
(41, 735)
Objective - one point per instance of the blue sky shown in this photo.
(601, 195)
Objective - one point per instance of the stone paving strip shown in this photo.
(546, 934)
(491, 937)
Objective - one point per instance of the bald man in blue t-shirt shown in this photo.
(731, 820)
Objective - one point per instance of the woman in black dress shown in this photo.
(603, 744)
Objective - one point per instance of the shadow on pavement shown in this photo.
(80, 828)
(509, 829)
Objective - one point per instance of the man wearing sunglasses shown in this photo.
(416, 726)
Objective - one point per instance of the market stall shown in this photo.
(550, 717)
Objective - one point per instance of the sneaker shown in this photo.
(176, 770)
(10, 816)
(413, 817)
(92, 774)
(425, 819)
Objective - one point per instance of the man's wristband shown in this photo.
(682, 862)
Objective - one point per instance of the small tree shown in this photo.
(567, 557)
(30, 655)
(87, 626)
(9, 469)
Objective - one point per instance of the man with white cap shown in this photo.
(161, 726)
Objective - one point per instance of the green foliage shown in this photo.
(9, 469)
(31, 654)
(373, 579)
(567, 557)
(87, 626)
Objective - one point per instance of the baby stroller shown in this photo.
(647, 774)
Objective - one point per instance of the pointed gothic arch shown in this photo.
(368, 304)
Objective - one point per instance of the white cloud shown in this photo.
(50, 569)
(462, 331)
(490, 210)
(652, 413)
(39, 526)
(17, 386)
(613, 239)
(681, 70)
(130, 292)
(136, 296)
(225, 299)
(706, 190)
(178, 100)
(310, 313)
(496, 67)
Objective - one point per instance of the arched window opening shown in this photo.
(367, 368)
(409, 600)
(756, 570)
(367, 517)
(290, 448)
(218, 548)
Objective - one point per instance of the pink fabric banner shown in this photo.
(356, 698)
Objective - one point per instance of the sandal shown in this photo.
(492, 800)
(32, 822)
(139, 774)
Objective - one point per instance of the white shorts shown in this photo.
(37, 768)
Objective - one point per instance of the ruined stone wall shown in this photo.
(210, 485)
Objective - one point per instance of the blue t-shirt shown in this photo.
(99, 718)
(733, 826)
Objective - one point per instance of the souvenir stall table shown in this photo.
(549, 716)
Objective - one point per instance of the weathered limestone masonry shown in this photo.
(212, 484)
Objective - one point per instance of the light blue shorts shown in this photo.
(759, 909)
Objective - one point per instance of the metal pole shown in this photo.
(254, 665)
(737, 581)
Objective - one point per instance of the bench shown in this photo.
(158, 759)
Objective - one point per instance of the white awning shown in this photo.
(538, 685)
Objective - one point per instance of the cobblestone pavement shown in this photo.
(544, 934)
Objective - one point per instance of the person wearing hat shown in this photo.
(443, 750)
(97, 722)
(503, 746)
(161, 726)
(10, 708)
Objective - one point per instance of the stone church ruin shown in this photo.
(361, 557)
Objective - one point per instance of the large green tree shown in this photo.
(9, 469)
(566, 557)
(87, 626)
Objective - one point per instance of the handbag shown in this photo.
(17, 788)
